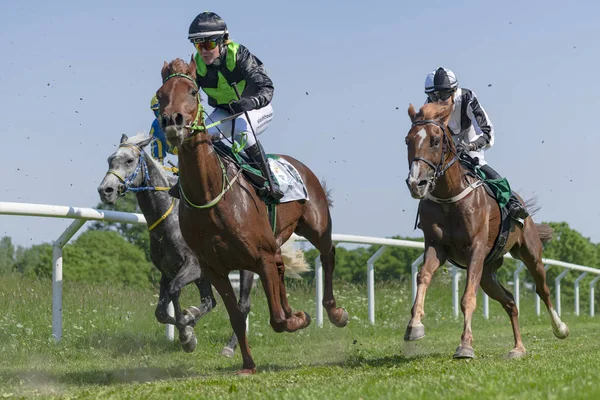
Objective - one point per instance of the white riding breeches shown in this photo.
(242, 133)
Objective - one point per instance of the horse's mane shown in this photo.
(431, 111)
(136, 140)
(177, 66)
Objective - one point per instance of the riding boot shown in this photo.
(515, 208)
(256, 154)
(174, 191)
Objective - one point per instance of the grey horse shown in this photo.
(132, 169)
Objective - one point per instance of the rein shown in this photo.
(440, 169)
(128, 181)
(196, 127)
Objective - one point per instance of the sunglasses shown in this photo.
(443, 96)
(209, 44)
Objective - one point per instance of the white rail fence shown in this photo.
(82, 215)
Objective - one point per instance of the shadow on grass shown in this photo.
(102, 377)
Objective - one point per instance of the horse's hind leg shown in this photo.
(496, 291)
(317, 231)
(246, 282)
(531, 255)
(193, 314)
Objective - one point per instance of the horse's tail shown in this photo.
(545, 232)
(327, 194)
(293, 259)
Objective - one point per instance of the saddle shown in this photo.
(498, 189)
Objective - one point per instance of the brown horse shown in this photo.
(460, 222)
(225, 222)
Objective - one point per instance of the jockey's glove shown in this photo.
(475, 145)
(245, 104)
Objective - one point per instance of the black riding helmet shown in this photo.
(207, 25)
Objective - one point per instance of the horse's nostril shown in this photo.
(422, 183)
(108, 190)
(179, 119)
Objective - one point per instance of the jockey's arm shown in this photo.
(481, 122)
(253, 71)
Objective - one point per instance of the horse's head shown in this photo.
(428, 143)
(125, 169)
(179, 100)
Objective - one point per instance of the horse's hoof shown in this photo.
(191, 344)
(562, 331)
(413, 333)
(464, 352)
(188, 340)
(516, 353)
(342, 321)
(227, 352)
(308, 319)
(246, 372)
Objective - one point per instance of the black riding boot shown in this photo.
(254, 153)
(515, 208)
(174, 191)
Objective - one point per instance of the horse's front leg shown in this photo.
(469, 299)
(433, 258)
(161, 313)
(246, 283)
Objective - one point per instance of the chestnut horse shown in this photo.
(460, 222)
(226, 224)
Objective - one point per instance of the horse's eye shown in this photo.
(130, 161)
(435, 141)
(194, 93)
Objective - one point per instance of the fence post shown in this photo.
(170, 329)
(371, 282)
(414, 272)
(455, 279)
(517, 283)
(557, 284)
(486, 305)
(319, 291)
(592, 298)
(576, 290)
(57, 276)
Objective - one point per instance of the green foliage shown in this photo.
(95, 257)
(351, 265)
(7, 255)
(113, 348)
(135, 234)
(35, 261)
(103, 256)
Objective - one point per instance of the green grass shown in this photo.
(113, 348)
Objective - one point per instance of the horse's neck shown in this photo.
(451, 183)
(154, 203)
(200, 171)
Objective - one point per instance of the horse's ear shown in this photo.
(411, 112)
(145, 142)
(192, 68)
(123, 138)
(165, 71)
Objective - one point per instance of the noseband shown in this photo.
(438, 169)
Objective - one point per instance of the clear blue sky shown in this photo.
(76, 75)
